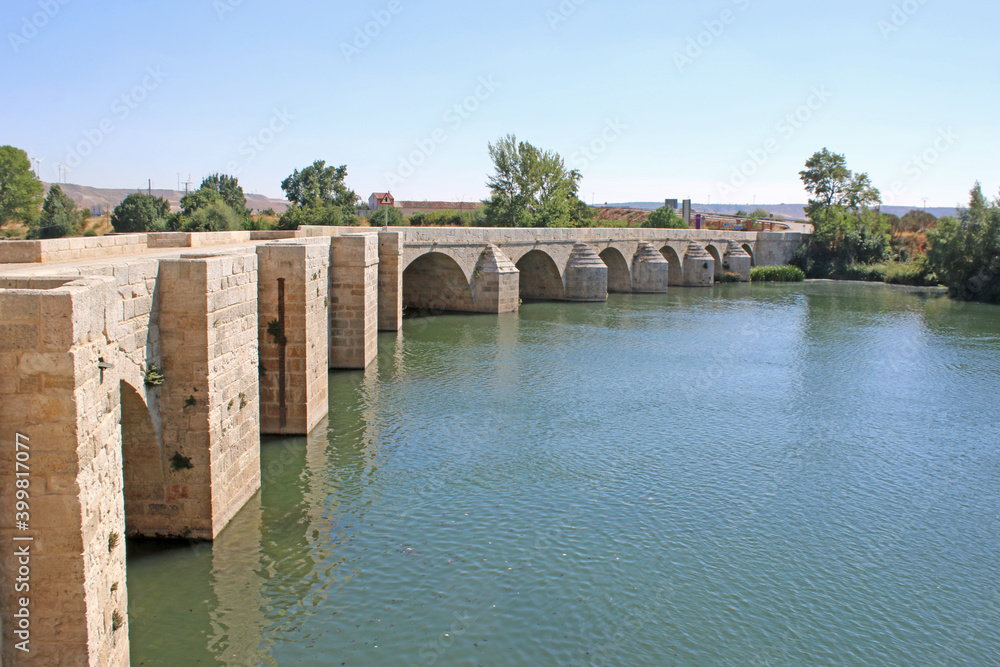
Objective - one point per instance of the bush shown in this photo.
(216, 217)
(728, 277)
(377, 218)
(777, 274)
(139, 213)
(449, 218)
(665, 218)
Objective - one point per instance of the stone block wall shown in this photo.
(61, 405)
(353, 301)
(495, 283)
(390, 281)
(292, 297)
(209, 401)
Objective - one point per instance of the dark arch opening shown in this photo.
(435, 283)
(749, 251)
(619, 278)
(540, 277)
(676, 272)
(142, 465)
(719, 268)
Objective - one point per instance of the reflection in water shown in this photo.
(755, 474)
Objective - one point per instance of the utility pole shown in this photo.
(150, 190)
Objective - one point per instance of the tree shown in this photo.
(140, 212)
(231, 191)
(965, 251)
(387, 216)
(827, 178)
(216, 216)
(59, 217)
(917, 221)
(20, 190)
(530, 187)
(319, 196)
(665, 217)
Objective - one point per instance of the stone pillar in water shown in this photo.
(739, 261)
(390, 281)
(650, 271)
(699, 267)
(495, 282)
(353, 301)
(292, 297)
(586, 277)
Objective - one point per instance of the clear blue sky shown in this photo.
(123, 91)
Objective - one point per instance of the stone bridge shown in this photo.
(138, 373)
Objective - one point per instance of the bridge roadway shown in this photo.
(138, 373)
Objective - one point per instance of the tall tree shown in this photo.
(831, 184)
(530, 187)
(965, 252)
(319, 196)
(231, 191)
(20, 190)
(140, 212)
(59, 217)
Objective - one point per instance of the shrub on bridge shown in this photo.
(777, 274)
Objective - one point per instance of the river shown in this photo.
(743, 475)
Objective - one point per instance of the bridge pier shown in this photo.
(699, 267)
(586, 276)
(354, 283)
(390, 281)
(650, 271)
(293, 335)
(738, 261)
(495, 283)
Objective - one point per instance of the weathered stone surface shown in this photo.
(699, 267)
(495, 283)
(736, 260)
(586, 276)
(650, 271)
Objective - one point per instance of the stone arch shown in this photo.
(714, 252)
(619, 276)
(142, 465)
(540, 277)
(676, 265)
(435, 281)
(749, 250)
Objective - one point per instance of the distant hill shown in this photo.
(106, 199)
(788, 211)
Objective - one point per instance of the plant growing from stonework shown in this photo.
(179, 462)
(277, 332)
(154, 378)
(112, 541)
(116, 620)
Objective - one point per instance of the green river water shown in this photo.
(744, 475)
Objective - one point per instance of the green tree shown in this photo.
(318, 196)
(59, 217)
(665, 217)
(20, 190)
(917, 221)
(965, 251)
(531, 187)
(140, 212)
(387, 216)
(832, 185)
(231, 191)
(216, 216)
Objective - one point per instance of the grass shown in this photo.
(777, 274)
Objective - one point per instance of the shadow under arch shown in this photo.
(676, 272)
(749, 251)
(142, 466)
(714, 252)
(539, 278)
(435, 282)
(619, 276)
